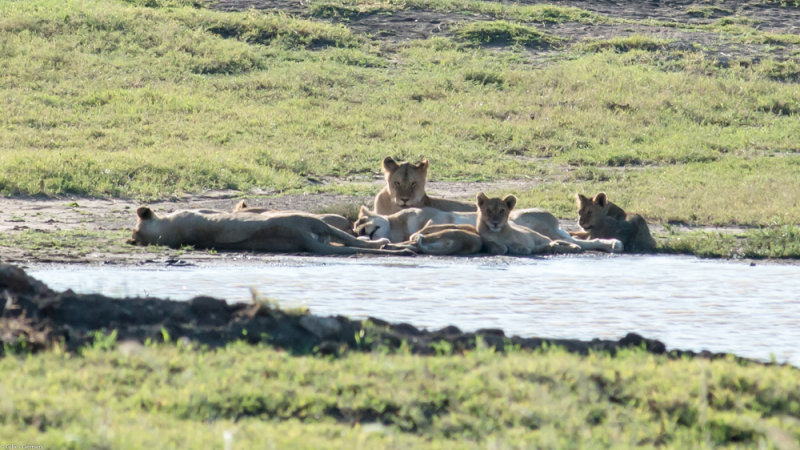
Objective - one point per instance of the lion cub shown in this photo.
(405, 188)
(502, 237)
(446, 239)
(599, 218)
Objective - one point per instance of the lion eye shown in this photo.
(413, 184)
(396, 184)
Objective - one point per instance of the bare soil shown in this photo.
(663, 19)
(112, 215)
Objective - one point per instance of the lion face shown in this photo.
(406, 181)
(373, 226)
(591, 211)
(493, 212)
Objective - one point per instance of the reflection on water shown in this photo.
(685, 302)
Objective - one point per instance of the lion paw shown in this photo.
(565, 247)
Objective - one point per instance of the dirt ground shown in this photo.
(97, 215)
(421, 24)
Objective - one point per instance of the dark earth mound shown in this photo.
(33, 317)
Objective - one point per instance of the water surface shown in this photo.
(687, 303)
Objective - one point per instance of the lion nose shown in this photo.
(404, 199)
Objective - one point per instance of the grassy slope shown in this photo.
(165, 396)
(110, 99)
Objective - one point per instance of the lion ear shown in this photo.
(601, 199)
(510, 201)
(145, 213)
(389, 164)
(481, 198)
(240, 206)
(582, 199)
(423, 164)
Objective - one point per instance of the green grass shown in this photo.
(167, 395)
(777, 243)
(74, 244)
(504, 33)
(145, 99)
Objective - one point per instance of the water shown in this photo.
(687, 303)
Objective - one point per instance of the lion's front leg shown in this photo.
(560, 246)
(496, 248)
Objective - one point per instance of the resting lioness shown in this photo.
(405, 188)
(334, 220)
(399, 227)
(599, 218)
(274, 232)
(502, 237)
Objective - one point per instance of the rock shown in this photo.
(321, 327)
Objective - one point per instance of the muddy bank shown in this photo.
(34, 317)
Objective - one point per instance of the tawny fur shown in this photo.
(334, 220)
(502, 237)
(446, 239)
(399, 227)
(405, 188)
(276, 232)
(601, 219)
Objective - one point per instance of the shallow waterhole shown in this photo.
(688, 303)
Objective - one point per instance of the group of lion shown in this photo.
(404, 220)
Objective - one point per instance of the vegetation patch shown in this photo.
(501, 32)
(707, 11)
(626, 44)
(777, 243)
(170, 395)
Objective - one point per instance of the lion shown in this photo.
(276, 232)
(334, 220)
(601, 219)
(446, 239)
(399, 227)
(405, 188)
(502, 237)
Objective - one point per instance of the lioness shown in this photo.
(405, 188)
(399, 227)
(502, 237)
(274, 232)
(334, 220)
(599, 218)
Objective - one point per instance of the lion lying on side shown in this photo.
(599, 218)
(334, 220)
(274, 232)
(502, 237)
(405, 188)
(400, 226)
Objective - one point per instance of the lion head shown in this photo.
(406, 181)
(143, 233)
(493, 212)
(371, 225)
(592, 211)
